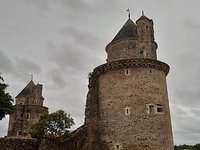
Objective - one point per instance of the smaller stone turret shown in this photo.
(28, 109)
(145, 31)
(133, 41)
(38, 94)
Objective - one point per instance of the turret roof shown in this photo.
(28, 90)
(144, 17)
(128, 30)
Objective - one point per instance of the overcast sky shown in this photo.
(61, 41)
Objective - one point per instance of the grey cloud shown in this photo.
(68, 57)
(6, 65)
(186, 125)
(19, 68)
(192, 23)
(78, 53)
(70, 5)
(84, 38)
(71, 100)
(188, 96)
(196, 112)
(57, 78)
(27, 65)
(185, 74)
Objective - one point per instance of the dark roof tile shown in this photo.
(128, 30)
(28, 90)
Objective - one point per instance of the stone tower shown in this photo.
(127, 103)
(28, 109)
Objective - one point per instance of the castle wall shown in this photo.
(24, 117)
(18, 144)
(28, 109)
(124, 99)
(125, 49)
(131, 49)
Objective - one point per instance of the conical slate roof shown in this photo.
(128, 30)
(28, 90)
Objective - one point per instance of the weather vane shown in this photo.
(31, 77)
(142, 12)
(129, 15)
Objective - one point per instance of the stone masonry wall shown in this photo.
(18, 144)
(129, 49)
(21, 122)
(123, 106)
(125, 121)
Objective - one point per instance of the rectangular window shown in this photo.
(159, 109)
(127, 110)
(150, 108)
(141, 54)
(155, 109)
(28, 116)
(127, 72)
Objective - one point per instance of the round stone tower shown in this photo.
(127, 105)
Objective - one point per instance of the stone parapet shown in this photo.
(150, 63)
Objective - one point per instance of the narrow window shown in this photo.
(150, 109)
(28, 116)
(127, 110)
(141, 54)
(150, 71)
(19, 133)
(117, 146)
(148, 43)
(21, 115)
(75, 144)
(127, 72)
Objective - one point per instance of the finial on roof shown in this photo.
(31, 77)
(142, 12)
(129, 15)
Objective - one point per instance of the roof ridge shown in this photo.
(28, 90)
(127, 30)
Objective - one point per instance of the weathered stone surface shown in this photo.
(127, 104)
(143, 86)
(28, 109)
(18, 144)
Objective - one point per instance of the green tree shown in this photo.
(197, 146)
(6, 106)
(175, 147)
(52, 126)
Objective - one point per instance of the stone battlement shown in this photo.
(150, 63)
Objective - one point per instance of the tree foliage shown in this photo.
(52, 126)
(190, 147)
(6, 106)
(197, 146)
